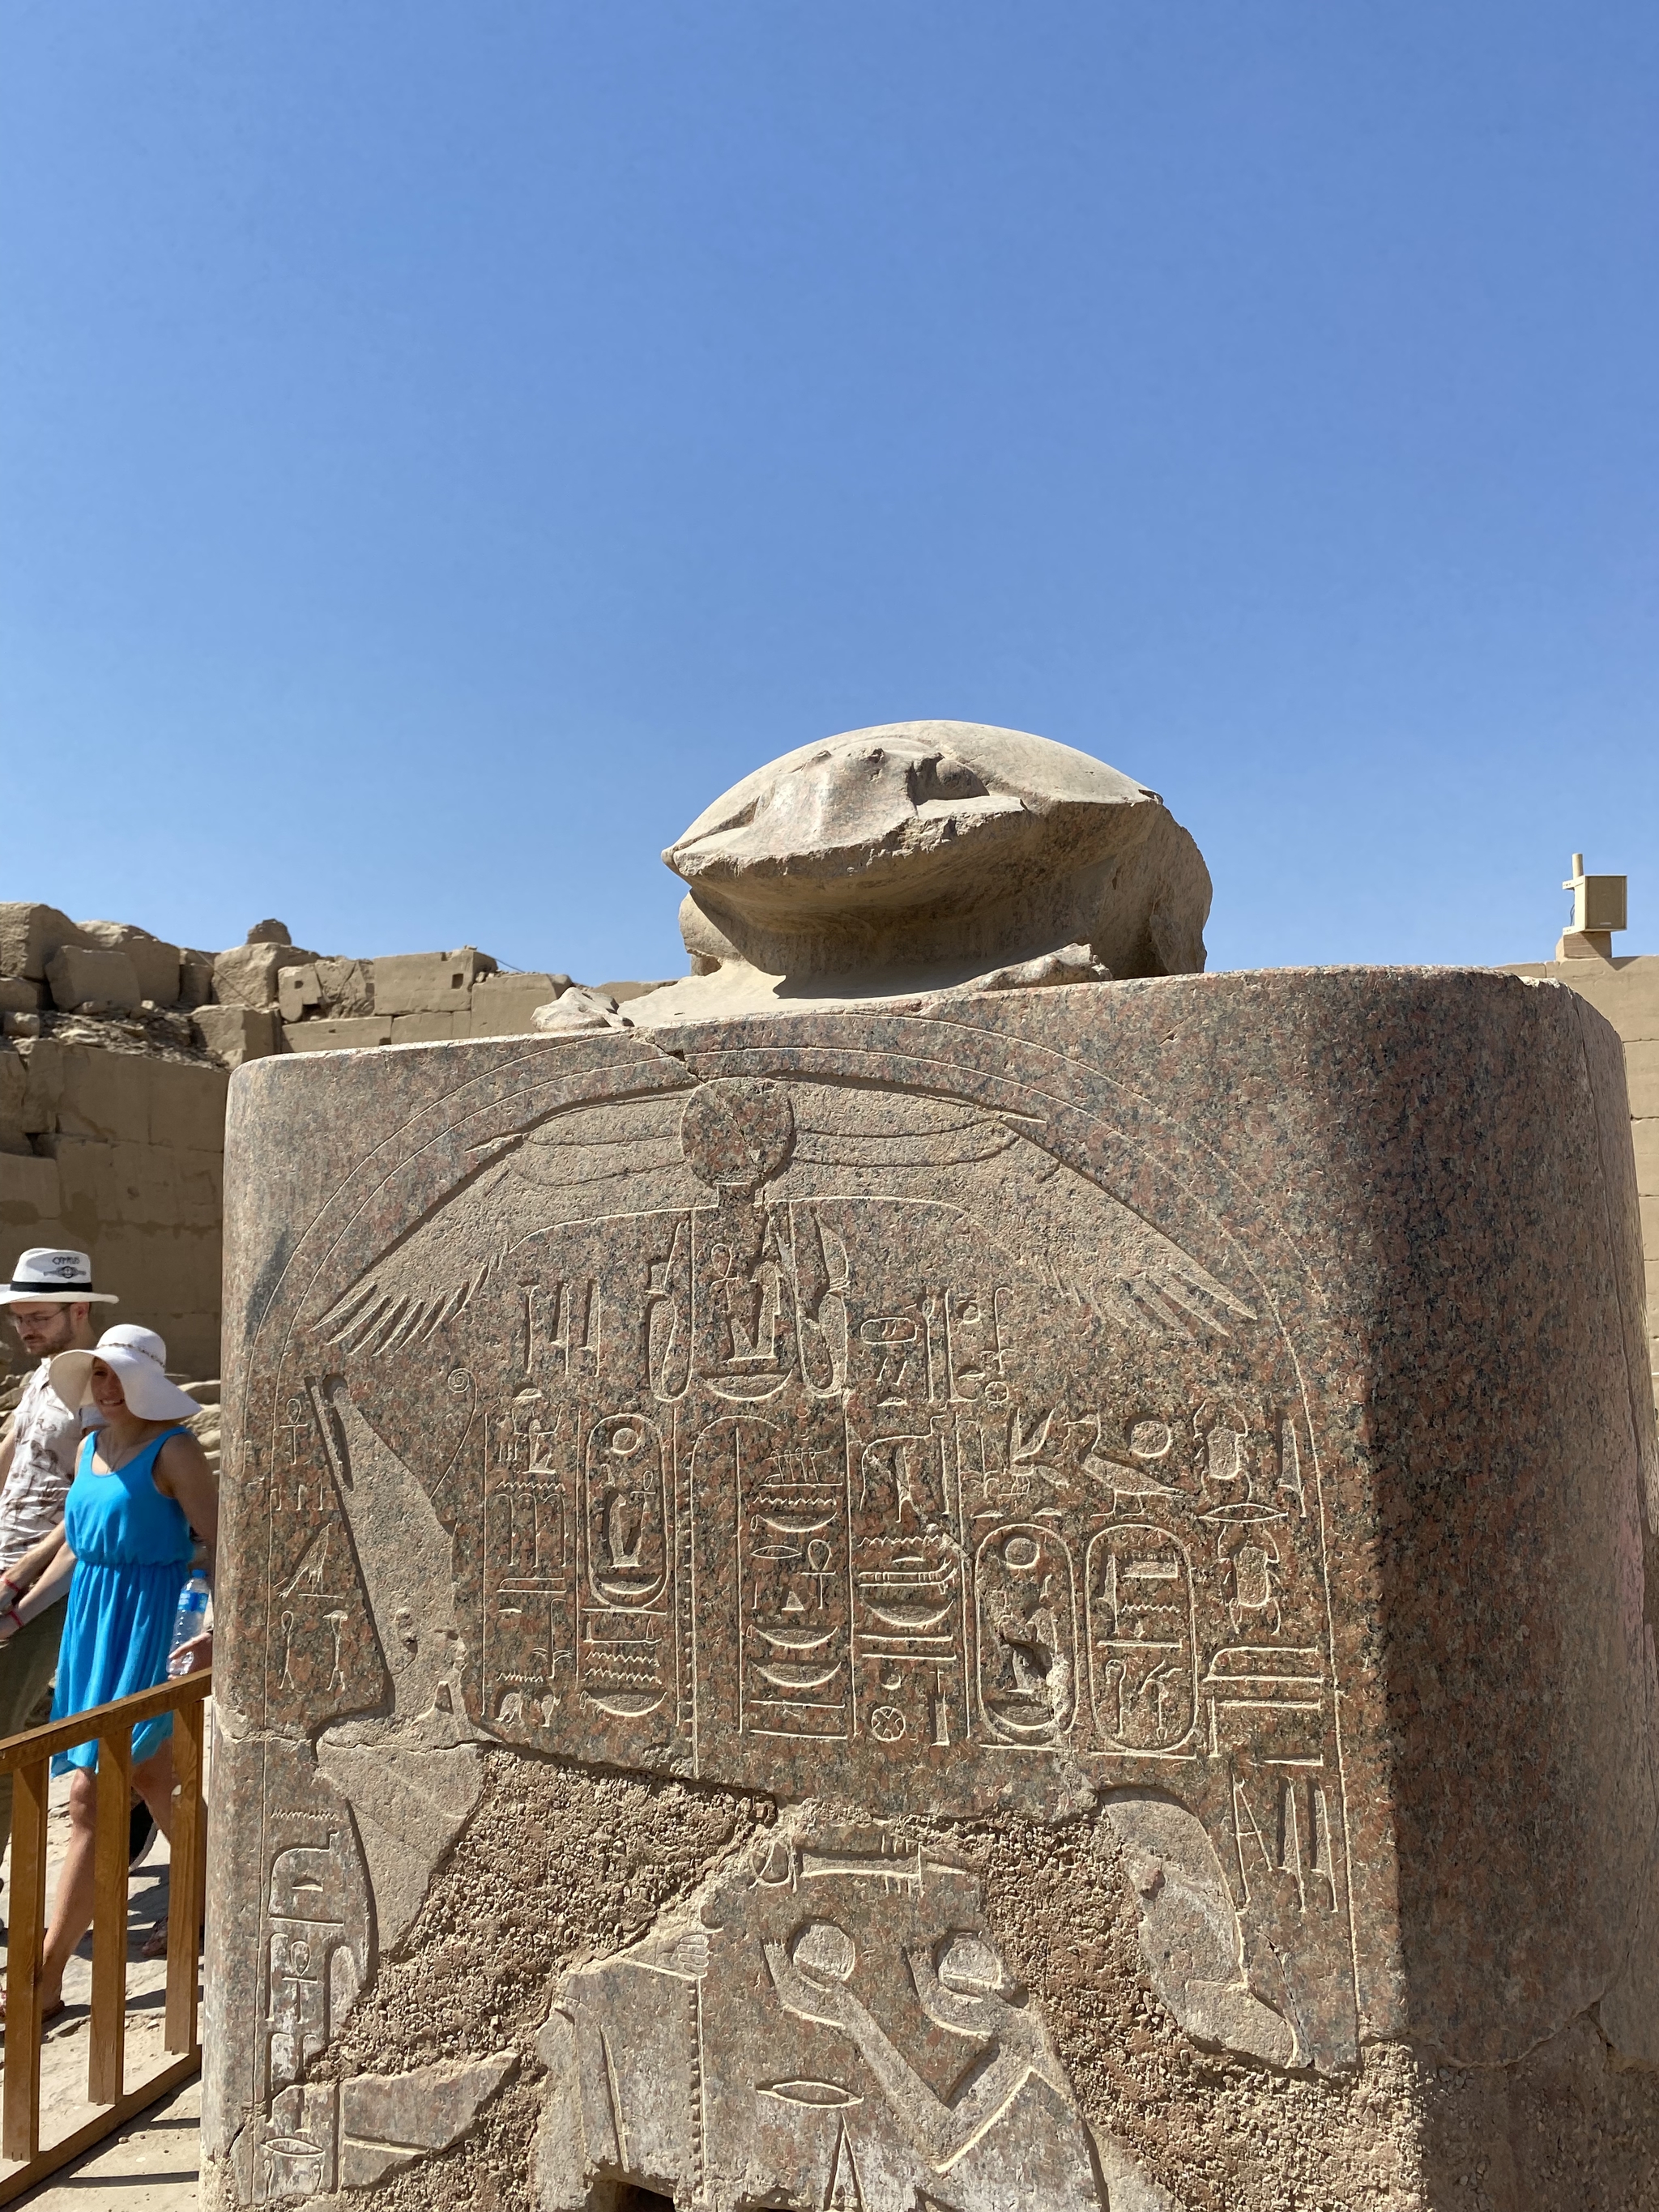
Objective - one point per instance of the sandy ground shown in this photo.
(151, 2165)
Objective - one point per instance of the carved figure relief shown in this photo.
(830, 2021)
(1192, 1933)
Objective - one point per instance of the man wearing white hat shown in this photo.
(50, 1300)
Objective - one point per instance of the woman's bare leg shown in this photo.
(154, 1781)
(71, 1908)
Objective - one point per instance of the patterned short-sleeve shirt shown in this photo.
(46, 1437)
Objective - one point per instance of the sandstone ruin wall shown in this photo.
(113, 1070)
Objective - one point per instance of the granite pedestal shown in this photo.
(1036, 1599)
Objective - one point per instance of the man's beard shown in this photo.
(41, 1343)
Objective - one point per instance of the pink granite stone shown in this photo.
(1181, 1441)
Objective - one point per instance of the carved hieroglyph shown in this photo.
(894, 1411)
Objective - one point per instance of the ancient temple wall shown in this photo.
(1625, 991)
(1037, 1599)
(120, 1155)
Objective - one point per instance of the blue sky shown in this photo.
(441, 447)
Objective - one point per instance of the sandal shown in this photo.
(48, 2012)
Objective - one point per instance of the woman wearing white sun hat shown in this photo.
(142, 1485)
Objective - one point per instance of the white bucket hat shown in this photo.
(140, 1358)
(46, 1276)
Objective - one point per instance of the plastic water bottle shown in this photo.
(190, 1619)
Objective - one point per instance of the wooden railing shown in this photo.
(28, 1759)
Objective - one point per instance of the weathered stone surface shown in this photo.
(919, 855)
(126, 1164)
(575, 1010)
(43, 1058)
(195, 978)
(350, 2135)
(154, 962)
(78, 976)
(335, 989)
(14, 1084)
(430, 1028)
(428, 982)
(298, 991)
(1626, 992)
(234, 1034)
(621, 992)
(346, 987)
(29, 935)
(505, 1005)
(246, 975)
(337, 1036)
(1038, 1599)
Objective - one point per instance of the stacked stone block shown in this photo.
(121, 1155)
(100, 968)
(266, 995)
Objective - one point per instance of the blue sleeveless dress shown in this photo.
(132, 1552)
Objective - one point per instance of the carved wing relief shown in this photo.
(644, 1157)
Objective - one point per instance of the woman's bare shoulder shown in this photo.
(181, 1454)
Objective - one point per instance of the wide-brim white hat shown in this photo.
(46, 1276)
(140, 1358)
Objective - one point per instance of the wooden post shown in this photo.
(186, 1879)
(107, 2057)
(25, 1757)
(28, 1902)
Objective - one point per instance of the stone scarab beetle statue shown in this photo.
(925, 856)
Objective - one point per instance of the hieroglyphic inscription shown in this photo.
(847, 1447)
(822, 1447)
(529, 1651)
(795, 1675)
(1289, 1837)
(312, 1966)
(1026, 1587)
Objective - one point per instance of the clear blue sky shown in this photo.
(441, 447)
